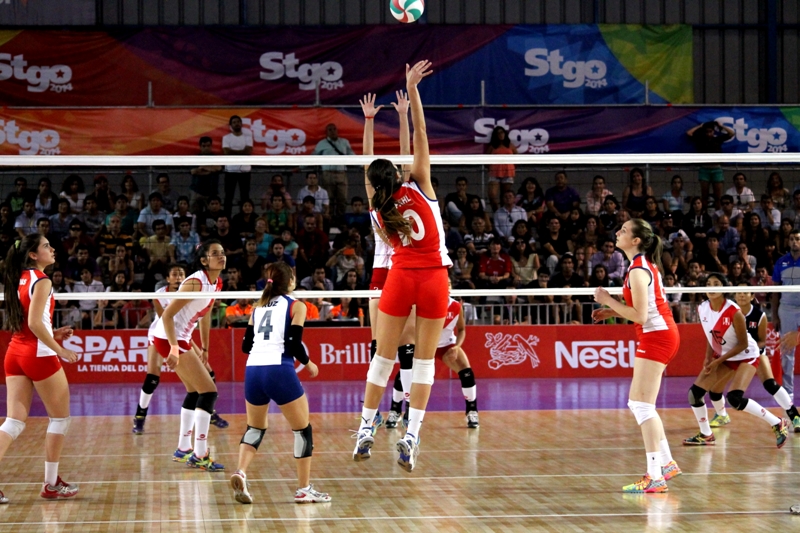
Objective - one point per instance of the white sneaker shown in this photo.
(239, 486)
(364, 442)
(309, 495)
(392, 420)
(472, 419)
(408, 447)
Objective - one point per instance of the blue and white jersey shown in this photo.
(270, 327)
(787, 272)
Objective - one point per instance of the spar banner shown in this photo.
(597, 129)
(342, 354)
(192, 66)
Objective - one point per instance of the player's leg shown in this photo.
(741, 380)
(19, 394)
(216, 420)
(764, 372)
(697, 392)
(248, 446)
(151, 381)
(459, 363)
(296, 413)
(715, 394)
(54, 392)
(195, 376)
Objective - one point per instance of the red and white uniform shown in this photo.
(721, 335)
(186, 319)
(26, 354)
(163, 302)
(658, 336)
(448, 337)
(382, 260)
(419, 265)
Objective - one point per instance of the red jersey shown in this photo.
(659, 314)
(495, 267)
(425, 248)
(24, 343)
(448, 335)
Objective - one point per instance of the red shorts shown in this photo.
(378, 279)
(424, 287)
(734, 365)
(659, 346)
(34, 368)
(162, 346)
(443, 350)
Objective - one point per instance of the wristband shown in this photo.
(369, 118)
(175, 350)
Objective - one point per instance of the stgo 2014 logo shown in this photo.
(55, 78)
(30, 142)
(276, 65)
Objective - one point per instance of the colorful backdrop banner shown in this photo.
(529, 65)
(640, 129)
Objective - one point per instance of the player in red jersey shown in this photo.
(646, 306)
(409, 219)
(32, 359)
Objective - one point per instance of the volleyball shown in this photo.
(407, 10)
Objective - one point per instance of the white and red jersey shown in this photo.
(24, 343)
(186, 319)
(659, 314)
(383, 252)
(425, 248)
(164, 302)
(719, 330)
(448, 336)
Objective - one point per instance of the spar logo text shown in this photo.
(542, 62)
(40, 78)
(591, 354)
(533, 141)
(276, 65)
(43, 142)
(757, 139)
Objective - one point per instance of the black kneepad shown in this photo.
(151, 381)
(206, 401)
(467, 378)
(398, 384)
(736, 399)
(406, 355)
(253, 436)
(772, 386)
(373, 346)
(303, 442)
(715, 396)
(696, 396)
(190, 402)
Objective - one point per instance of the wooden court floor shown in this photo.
(555, 471)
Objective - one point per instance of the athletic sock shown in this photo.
(792, 412)
(397, 394)
(701, 414)
(755, 409)
(367, 415)
(666, 454)
(148, 388)
(783, 399)
(187, 425)
(405, 379)
(654, 465)
(202, 421)
(50, 473)
(719, 407)
(415, 417)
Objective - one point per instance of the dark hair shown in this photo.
(382, 175)
(162, 175)
(356, 199)
(543, 271)
(515, 253)
(202, 251)
(459, 179)
(633, 171)
(718, 275)
(612, 198)
(651, 244)
(72, 178)
(594, 282)
(17, 258)
(157, 223)
(676, 176)
(155, 195)
(230, 120)
(309, 173)
(740, 174)
(495, 141)
(47, 181)
(127, 177)
(183, 220)
(205, 139)
(281, 275)
(780, 181)
(309, 198)
(39, 220)
(181, 198)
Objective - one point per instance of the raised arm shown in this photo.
(421, 168)
(368, 142)
(405, 132)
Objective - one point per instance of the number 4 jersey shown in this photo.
(271, 324)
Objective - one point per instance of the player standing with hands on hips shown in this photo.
(409, 219)
(645, 305)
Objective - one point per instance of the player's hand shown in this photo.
(67, 355)
(368, 105)
(600, 315)
(313, 371)
(602, 296)
(711, 366)
(450, 355)
(204, 356)
(417, 73)
(788, 341)
(172, 361)
(402, 103)
(63, 333)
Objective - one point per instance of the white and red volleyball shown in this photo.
(407, 10)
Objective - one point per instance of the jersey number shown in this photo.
(416, 221)
(265, 326)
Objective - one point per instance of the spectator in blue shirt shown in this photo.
(562, 198)
(183, 243)
(786, 306)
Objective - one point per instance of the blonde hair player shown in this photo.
(382, 262)
(176, 273)
(731, 354)
(409, 219)
(756, 320)
(172, 338)
(32, 358)
(273, 340)
(645, 305)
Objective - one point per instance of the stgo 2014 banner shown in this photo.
(342, 354)
(196, 66)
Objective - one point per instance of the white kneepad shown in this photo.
(642, 411)
(59, 426)
(13, 427)
(379, 371)
(423, 371)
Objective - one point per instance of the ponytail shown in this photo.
(382, 175)
(651, 245)
(16, 259)
(279, 277)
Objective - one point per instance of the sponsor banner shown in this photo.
(558, 64)
(459, 131)
(342, 354)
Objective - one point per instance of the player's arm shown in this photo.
(159, 309)
(405, 131)
(421, 167)
(294, 338)
(639, 279)
(368, 140)
(762, 332)
(41, 293)
(461, 328)
(740, 326)
(205, 334)
(172, 309)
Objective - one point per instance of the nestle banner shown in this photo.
(560, 64)
(342, 354)
(645, 129)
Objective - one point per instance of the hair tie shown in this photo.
(269, 280)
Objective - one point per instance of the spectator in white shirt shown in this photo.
(734, 214)
(770, 217)
(25, 223)
(151, 213)
(321, 200)
(335, 177)
(743, 198)
(87, 307)
(596, 197)
(508, 214)
(238, 142)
